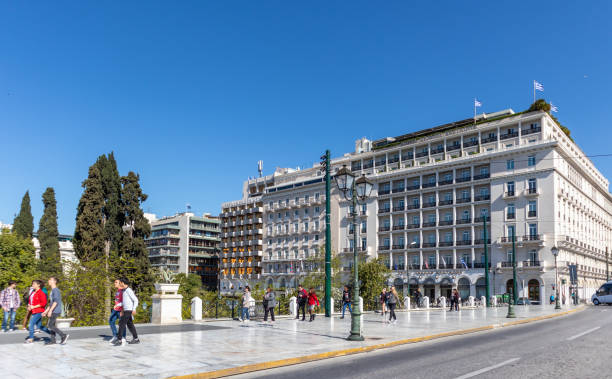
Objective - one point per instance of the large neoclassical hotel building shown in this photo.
(425, 217)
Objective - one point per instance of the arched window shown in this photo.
(464, 288)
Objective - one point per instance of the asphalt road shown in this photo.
(573, 346)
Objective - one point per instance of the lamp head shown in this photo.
(363, 187)
(344, 179)
(554, 250)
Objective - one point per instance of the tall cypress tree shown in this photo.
(23, 225)
(50, 258)
(88, 238)
(136, 230)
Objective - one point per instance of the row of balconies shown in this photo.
(242, 243)
(242, 233)
(526, 238)
(240, 264)
(236, 254)
(242, 212)
(282, 232)
(293, 204)
(527, 192)
(461, 179)
(441, 203)
(248, 221)
(401, 246)
(429, 224)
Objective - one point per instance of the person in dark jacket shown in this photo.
(383, 303)
(346, 301)
(418, 297)
(269, 302)
(392, 299)
(302, 298)
(455, 300)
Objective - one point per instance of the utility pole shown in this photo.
(325, 161)
(486, 262)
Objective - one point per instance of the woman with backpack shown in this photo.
(312, 302)
(392, 299)
(269, 302)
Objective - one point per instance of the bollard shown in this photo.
(332, 306)
(293, 306)
(426, 302)
(233, 304)
(471, 301)
(196, 309)
(494, 301)
(443, 302)
(407, 303)
(360, 304)
(483, 301)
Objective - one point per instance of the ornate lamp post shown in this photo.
(555, 251)
(356, 191)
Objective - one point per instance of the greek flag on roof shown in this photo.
(477, 103)
(538, 86)
(553, 107)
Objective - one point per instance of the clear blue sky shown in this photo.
(190, 94)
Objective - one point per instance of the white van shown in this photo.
(603, 294)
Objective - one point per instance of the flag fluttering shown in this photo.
(553, 108)
(538, 86)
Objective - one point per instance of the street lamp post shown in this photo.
(555, 251)
(356, 191)
(512, 298)
(408, 275)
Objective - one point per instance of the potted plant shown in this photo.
(167, 282)
(64, 322)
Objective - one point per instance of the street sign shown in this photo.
(573, 274)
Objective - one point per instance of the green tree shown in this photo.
(50, 259)
(23, 224)
(88, 238)
(373, 275)
(83, 291)
(190, 287)
(137, 229)
(542, 105)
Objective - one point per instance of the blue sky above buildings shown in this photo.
(192, 94)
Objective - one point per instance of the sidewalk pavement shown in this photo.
(225, 345)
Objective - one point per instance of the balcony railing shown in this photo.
(509, 194)
(464, 200)
(532, 214)
(429, 184)
(445, 182)
(463, 179)
(437, 151)
(482, 176)
(398, 227)
(407, 157)
(481, 218)
(481, 265)
(414, 245)
(413, 206)
(422, 154)
(384, 247)
(508, 135)
(398, 246)
(413, 187)
(531, 130)
(532, 191)
(429, 224)
(399, 267)
(368, 165)
(481, 241)
(511, 216)
(446, 222)
(445, 202)
(464, 242)
(384, 210)
(398, 189)
(382, 229)
(384, 191)
(464, 221)
(453, 147)
(398, 208)
(507, 239)
(489, 139)
(413, 226)
(429, 244)
(532, 237)
(429, 205)
(530, 263)
(470, 143)
(482, 197)
(446, 243)
(394, 159)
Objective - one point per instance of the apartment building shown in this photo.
(426, 218)
(185, 243)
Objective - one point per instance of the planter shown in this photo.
(167, 288)
(64, 323)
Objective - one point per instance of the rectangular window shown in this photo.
(511, 232)
(432, 261)
(532, 208)
(364, 243)
(466, 235)
(532, 186)
(510, 188)
(511, 212)
(531, 160)
(510, 164)
(415, 220)
(317, 210)
(533, 230)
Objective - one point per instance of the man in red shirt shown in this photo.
(36, 304)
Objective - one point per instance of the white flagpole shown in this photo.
(534, 91)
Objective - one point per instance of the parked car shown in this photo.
(603, 295)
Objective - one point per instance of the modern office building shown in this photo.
(185, 243)
(434, 189)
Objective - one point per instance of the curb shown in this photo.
(364, 349)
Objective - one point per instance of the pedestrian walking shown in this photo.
(346, 301)
(455, 300)
(36, 305)
(246, 303)
(116, 312)
(313, 302)
(302, 299)
(269, 302)
(129, 302)
(10, 301)
(383, 303)
(26, 299)
(418, 298)
(392, 299)
(53, 311)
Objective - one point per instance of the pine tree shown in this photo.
(50, 258)
(137, 229)
(23, 225)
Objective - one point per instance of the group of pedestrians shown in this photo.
(124, 310)
(388, 302)
(455, 299)
(41, 303)
(307, 298)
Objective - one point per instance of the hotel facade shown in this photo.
(426, 217)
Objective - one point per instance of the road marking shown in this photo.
(583, 333)
(486, 369)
